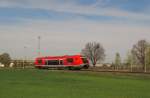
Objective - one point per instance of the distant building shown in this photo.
(2, 65)
(103, 65)
(11, 65)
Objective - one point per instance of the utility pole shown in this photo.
(39, 46)
(146, 58)
(24, 60)
(131, 63)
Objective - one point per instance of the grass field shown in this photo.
(32, 83)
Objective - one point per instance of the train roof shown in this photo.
(55, 57)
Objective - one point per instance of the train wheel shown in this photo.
(85, 66)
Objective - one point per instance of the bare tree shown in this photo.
(94, 52)
(117, 60)
(128, 60)
(139, 51)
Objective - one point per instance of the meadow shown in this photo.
(34, 83)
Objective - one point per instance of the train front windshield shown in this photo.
(84, 60)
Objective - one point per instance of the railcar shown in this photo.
(67, 61)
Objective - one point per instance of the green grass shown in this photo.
(33, 83)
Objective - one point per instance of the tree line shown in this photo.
(139, 55)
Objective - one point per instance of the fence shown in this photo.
(23, 63)
(122, 69)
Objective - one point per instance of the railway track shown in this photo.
(108, 71)
(91, 69)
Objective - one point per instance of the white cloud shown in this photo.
(71, 7)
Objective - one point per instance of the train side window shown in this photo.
(53, 62)
(70, 60)
(39, 61)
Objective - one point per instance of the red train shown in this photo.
(73, 61)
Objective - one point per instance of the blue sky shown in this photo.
(67, 25)
(15, 9)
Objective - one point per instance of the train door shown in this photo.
(61, 62)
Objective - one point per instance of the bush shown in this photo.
(5, 59)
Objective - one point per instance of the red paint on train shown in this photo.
(77, 61)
